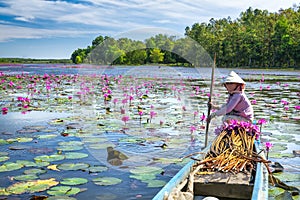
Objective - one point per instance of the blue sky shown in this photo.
(54, 29)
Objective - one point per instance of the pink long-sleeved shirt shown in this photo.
(237, 104)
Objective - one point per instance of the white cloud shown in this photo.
(9, 32)
(113, 16)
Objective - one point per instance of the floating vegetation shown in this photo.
(31, 186)
(106, 181)
(10, 166)
(63, 191)
(130, 127)
(49, 158)
(73, 181)
(73, 166)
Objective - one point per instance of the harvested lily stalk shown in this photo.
(232, 151)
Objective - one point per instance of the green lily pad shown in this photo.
(3, 158)
(279, 147)
(143, 177)
(26, 163)
(23, 139)
(3, 192)
(10, 166)
(73, 181)
(284, 138)
(168, 160)
(105, 181)
(32, 186)
(287, 177)
(146, 170)
(42, 163)
(73, 166)
(51, 158)
(71, 143)
(35, 171)
(75, 155)
(155, 183)
(26, 177)
(63, 190)
(69, 148)
(97, 169)
(3, 142)
(46, 136)
(18, 147)
(280, 155)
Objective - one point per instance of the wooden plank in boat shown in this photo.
(224, 185)
(219, 177)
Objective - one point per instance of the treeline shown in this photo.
(257, 38)
(34, 61)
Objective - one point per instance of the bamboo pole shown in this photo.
(209, 100)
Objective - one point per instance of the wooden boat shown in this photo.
(186, 185)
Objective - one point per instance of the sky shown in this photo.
(55, 28)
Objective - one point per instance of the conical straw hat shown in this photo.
(233, 78)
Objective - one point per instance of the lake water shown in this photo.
(87, 120)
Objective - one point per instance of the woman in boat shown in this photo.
(238, 106)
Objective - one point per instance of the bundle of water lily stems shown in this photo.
(232, 150)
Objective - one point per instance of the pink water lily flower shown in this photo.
(192, 129)
(262, 121)
(125, 119)
(152, 114)
(203, 117)
(268, 145)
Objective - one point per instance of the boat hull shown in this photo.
(235, 188)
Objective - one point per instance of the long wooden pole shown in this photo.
(209, 99)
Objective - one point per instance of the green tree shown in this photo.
(156, 56)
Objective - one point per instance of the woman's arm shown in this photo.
(231, 104)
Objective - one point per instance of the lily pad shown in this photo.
(73, 181)
(73, 166)
(3, 158)
(32, 186)
(63, 190)
(70, 143)
(287, 177)
(10, 166)
(70, 148)
(18, 147)
(143, 177)
(46, 136)
(155, 183)
(4, 192)
(75, 155)
(26, 163)
(146, 170)
(97, 169)
(35, 171)
(168, 160)
(105, 181)
(26, 177)
(3, 142)
(51, 158)
(279, 147)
